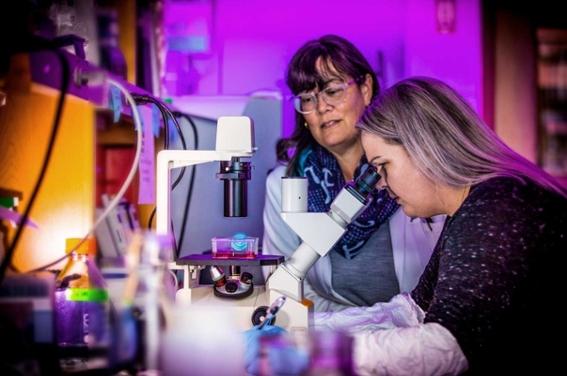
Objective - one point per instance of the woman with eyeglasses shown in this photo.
(490, 293)
(383, 251)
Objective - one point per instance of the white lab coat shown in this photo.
(412, 245)
(392, 339)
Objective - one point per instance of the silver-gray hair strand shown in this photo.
(444, 136)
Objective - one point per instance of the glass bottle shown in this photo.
(81, 299)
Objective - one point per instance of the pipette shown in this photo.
(272, 311)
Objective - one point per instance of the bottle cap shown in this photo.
(87, 248)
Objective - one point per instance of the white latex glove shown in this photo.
(400, 311)
(391, 339)
(427, 349)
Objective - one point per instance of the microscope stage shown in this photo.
(208, 259)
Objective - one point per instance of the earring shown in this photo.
(305, 124)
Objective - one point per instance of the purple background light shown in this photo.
(251, 42)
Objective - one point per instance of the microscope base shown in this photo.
(292, 316)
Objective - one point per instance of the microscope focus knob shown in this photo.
(246, 277)
(231, 286)
(259, 314)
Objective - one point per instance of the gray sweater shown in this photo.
(369, 277)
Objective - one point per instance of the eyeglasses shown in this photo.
(333, 95)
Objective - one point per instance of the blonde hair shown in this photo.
(445, 138)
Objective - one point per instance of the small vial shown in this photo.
(81, 300)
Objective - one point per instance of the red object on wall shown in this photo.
(115, 163)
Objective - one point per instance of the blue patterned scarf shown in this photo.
(325, 182)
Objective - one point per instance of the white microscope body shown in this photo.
(318, 231)
(235, 139)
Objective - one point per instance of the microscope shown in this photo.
(232, 289)
(319, 232)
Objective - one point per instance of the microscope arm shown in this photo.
(234, 139)
(319, 233)
(169, 159)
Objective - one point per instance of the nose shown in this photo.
(322, 106)
(381, 184)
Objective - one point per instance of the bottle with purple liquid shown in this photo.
(81, 300)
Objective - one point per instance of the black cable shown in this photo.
(65, 73)
(183, 144)
(43, 267)
(165, 113)
(151, 218)
(144, 99)
(173, 116)
(178, 127)
(191, 184)
(192, 178)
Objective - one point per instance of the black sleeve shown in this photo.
(483, 265)
(422, 294)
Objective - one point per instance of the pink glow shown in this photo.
(253, 40)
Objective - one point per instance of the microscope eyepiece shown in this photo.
(235, 174)
(367, 181)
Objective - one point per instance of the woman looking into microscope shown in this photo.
(486, 299)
